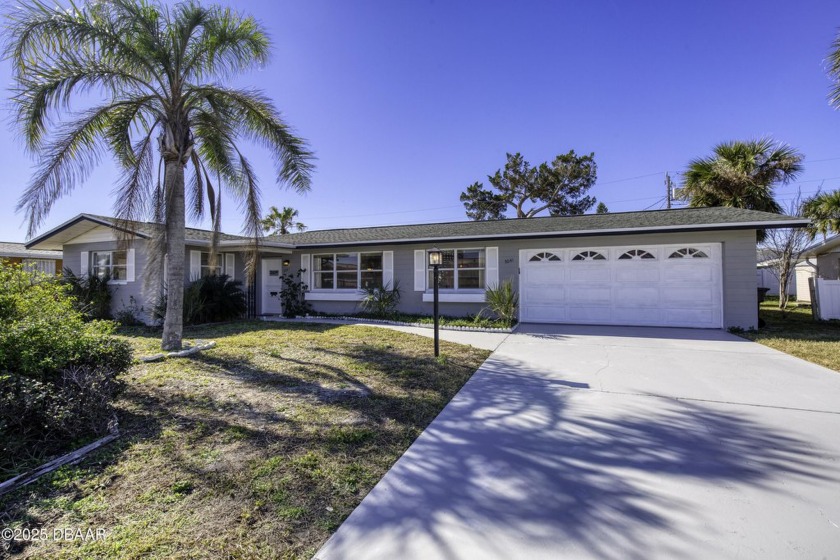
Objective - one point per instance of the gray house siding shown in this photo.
(121, 294)
(738, 261)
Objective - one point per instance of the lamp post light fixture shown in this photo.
(435, 260)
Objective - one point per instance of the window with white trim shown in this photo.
(110, 264)
(347, 271)
(460, 269)
(207, 270)
(589, 256)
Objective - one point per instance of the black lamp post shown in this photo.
(435, 260)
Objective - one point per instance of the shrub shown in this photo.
(502, 302)
(381, 301)
(91, 294)
(293, 295)
(210, 299)
(130, 315)
(58, 373)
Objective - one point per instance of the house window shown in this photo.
(206, 269)
(636, 254)
(461, 269)
(111, 264)
(544, 257)
(347, 271)
(688, 253)
(589, 256)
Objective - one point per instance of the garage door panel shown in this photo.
(545, 295)
(632, 296)
(589, 314)
(633, 272)
(544, 314)
(689, 272)
(692, 317)
(637, 316)
(546, 275)
(683, 291)
(587, 274)
(688, 297)
(599, 295)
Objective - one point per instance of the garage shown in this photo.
(648, 285)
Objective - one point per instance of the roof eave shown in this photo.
(575, 233)
(73, 221)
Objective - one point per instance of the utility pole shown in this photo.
(668, 187)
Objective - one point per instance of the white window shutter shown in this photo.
(83, 269)
(230, 259)
(195, 265)
(388, 269)
(419, 270)
(129, 266)
(305, 265)
(491, 274)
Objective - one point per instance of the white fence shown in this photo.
(828, 296)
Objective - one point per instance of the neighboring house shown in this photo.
(798, 284)
(689, 267)
(825, 257)
(48, 262)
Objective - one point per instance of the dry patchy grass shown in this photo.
(258, 448)
(795, 332)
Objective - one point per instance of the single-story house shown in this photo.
(688, 267)
(48, 262)
(825, 258)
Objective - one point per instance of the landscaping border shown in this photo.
(350, 320)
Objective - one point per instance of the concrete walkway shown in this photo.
(603, 442)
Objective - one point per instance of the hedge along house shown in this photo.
(692, 267)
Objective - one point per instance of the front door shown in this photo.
(272, 283)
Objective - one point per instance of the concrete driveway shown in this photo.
(604, 442)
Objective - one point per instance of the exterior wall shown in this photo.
(120, 293)
(740, 307)
(19, 260)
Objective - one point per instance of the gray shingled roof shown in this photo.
(190, 233)
(675, 220)
(19, 250)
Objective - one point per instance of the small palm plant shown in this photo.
(381, 301)
(503, 302)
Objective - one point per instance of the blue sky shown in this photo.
(406, 103)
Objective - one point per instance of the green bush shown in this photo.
(210, 299)
(58, 373)
(293, 295)
(381, 301)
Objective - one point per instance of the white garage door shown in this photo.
(662, 285)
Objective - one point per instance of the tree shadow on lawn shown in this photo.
(518, 455)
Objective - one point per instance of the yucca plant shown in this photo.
(381, 301)
(502, 302)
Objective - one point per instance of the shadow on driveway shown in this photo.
(520, 466)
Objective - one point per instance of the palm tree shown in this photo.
(158, 71)
(824, 212)
(281, 222)
(834, 72)
(742, 175)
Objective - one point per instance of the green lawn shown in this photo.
(258, 448)
(795, 332)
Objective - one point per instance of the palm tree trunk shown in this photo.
(173, 323)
